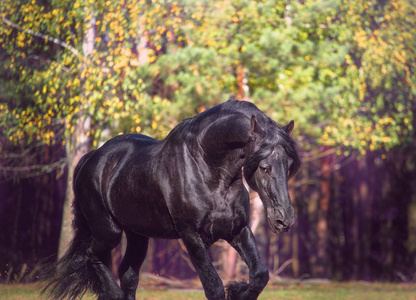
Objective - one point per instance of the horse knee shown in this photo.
(260, 278)
(215, 293)
(129, 280)
(117, 295)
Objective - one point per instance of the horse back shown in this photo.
(121, 176)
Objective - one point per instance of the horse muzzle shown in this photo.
(281, 222)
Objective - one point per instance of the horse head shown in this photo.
(274, 160)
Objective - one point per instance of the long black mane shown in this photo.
(272, 134)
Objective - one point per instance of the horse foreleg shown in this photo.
(213, 287)
(246, 246)
(130, 266)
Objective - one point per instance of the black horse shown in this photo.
(188, 186)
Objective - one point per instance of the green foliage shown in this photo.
(378, 85)
(51, 81)
(343, 70)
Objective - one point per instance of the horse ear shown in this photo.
(254, 126)
(252, 123)
(289, 127)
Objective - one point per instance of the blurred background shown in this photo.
(76, 73)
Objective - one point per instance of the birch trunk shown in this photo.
(78, 144)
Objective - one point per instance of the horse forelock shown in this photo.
(274, 136)
(291, 149)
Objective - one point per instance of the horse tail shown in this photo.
(72, 275)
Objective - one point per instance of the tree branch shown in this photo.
(314, 156)
(41, 35)
(283, 266)
(35, 170)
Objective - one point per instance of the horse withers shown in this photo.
(188, 186)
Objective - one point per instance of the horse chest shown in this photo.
(229, 214)
(224, 223)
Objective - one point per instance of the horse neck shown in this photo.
(216, 160)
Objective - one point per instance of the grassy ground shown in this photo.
(329, 291)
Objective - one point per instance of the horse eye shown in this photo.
(264, 169)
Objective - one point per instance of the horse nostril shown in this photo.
(281, 223)
(284, 226)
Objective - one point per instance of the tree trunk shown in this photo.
(242, 83)
(81, 145)
(229, 262)
(320, 269)
(411, 241)
(77, 144)
(295, 240)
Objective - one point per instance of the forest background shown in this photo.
(75, 73)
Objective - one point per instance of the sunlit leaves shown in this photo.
(344, 70)
(52, 82)
(378, 86)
